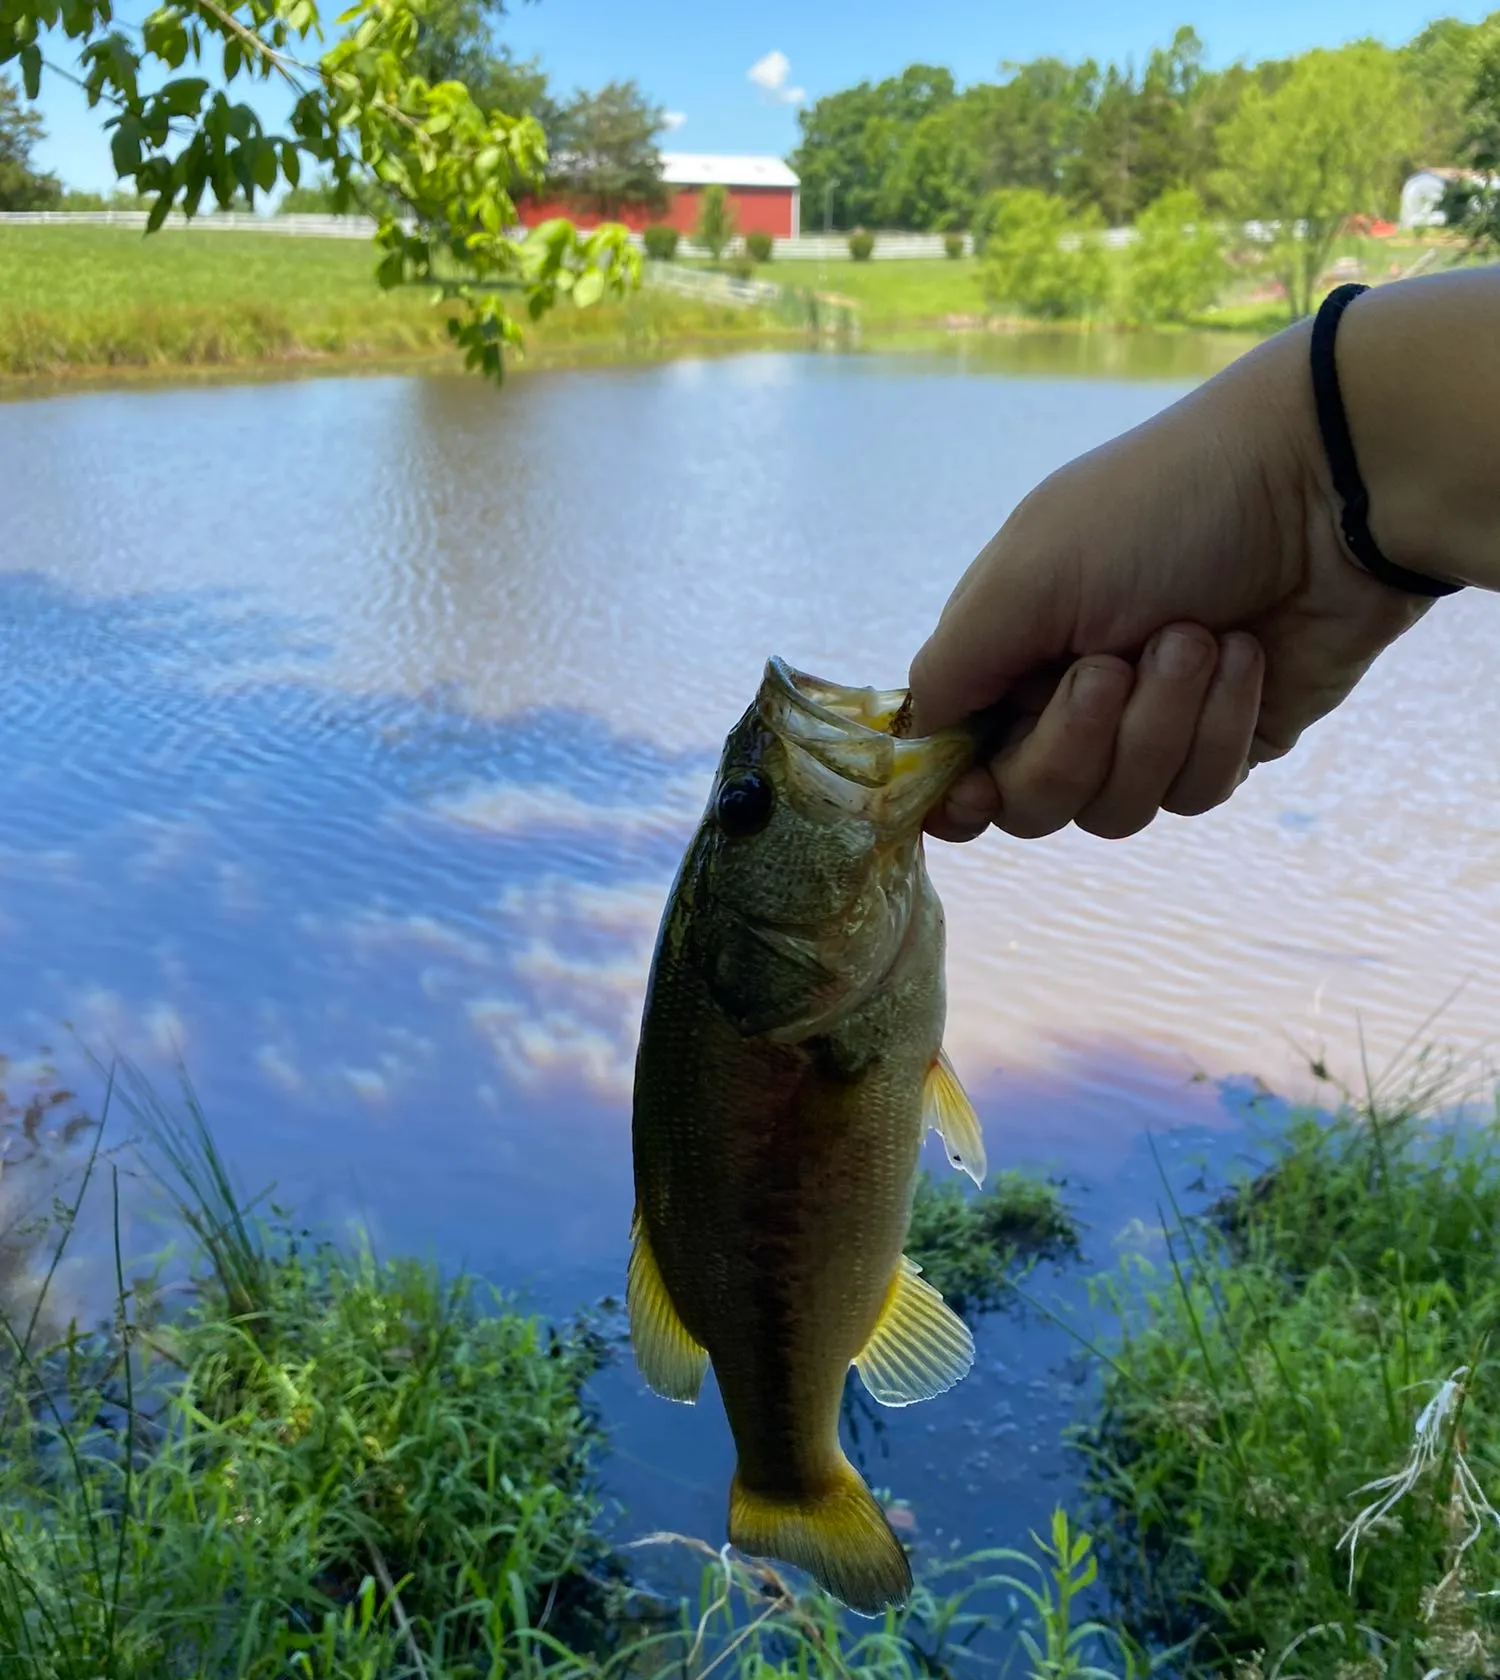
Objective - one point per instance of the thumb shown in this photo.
(1008, 617)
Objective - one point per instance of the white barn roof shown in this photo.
(701, 169)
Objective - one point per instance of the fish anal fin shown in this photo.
(840, 1536)
(920, 1346)
(949, 1111)
(669, 1359)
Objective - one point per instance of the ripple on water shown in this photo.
(352, 730)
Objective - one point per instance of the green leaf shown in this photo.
(291, 163)
(263, 166)
(125, 146)
(159, 211)
(183, 97)
(31, 69)
(589, 288)
(234, 58)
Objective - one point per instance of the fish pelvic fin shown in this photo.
(919, 1348)
(839, 1536)
(949, 1111)
(669, 1359)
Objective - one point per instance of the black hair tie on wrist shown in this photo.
(1339, 447)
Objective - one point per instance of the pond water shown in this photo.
(350, 731)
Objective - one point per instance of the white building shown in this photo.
(1424, 190)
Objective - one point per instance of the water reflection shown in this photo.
(352, 730)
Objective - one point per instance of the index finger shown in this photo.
(1007, 617)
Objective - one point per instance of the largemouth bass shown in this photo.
(790, 1063)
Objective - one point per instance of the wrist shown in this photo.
(1420, 378)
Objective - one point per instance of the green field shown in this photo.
(104, 301)
(891, 294)
(89, 299)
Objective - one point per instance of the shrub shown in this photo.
(1321, 1327)
(716, 221)
(1176, 266)
(969, 1246)
(741, 268)
(1038, 259)
(953, 246)
(660, 243)
(861, 245)
(758, 247)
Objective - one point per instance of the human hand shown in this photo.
(1162, 614)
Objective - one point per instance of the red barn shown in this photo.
(766, 195)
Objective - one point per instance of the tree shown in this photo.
(116, 200)
(1176, 266)
(1038, 258)
(1474, 205)
(1439, 66)
(1327, 144)
(716, 221)
(605, 150)
(1138, 137)
(456, 43)
(363, 111)
(853, 141)
(21, 186)
(937, 177)
(1032, 122)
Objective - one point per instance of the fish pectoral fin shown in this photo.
(949, 1111)
(669, 1359)
(920, 1347)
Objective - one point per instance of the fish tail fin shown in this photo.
(839, 1536)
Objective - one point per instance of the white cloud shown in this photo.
(673, 120)
(770, 75)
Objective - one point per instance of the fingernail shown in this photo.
(1238, 657)
(1177, 655)
(1096, 689)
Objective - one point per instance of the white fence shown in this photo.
(834, 247)
(717, 288)
(219, 221)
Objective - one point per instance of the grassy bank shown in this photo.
(74, 301)
(299, 1461)
(1300, 1430)
(315, 1464)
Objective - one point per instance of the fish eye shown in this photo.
(744, 805)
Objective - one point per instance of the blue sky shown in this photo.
(696, 59)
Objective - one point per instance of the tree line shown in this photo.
(916, 151)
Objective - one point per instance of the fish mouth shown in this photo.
(858, 734)
(877, 711)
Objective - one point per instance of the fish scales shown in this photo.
(789, 1065)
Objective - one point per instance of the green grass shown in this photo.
(319, 1465)
(891, 294)
(1273, 1367)
(78, 300)
(970, 1246)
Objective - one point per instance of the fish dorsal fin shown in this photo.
(949, 1111)
(669, 1359)
(920, 1346)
